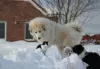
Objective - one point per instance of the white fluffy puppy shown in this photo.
(43, 29)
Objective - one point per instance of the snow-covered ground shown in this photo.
(22, 55)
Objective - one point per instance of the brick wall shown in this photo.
(16, 13)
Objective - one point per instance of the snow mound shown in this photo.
(24, 59)
(22, 55)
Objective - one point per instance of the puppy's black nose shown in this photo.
(39, 38)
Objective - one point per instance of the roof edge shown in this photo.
(37, 7)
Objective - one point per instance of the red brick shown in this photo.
(20, 11)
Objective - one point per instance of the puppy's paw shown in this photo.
(67, 51)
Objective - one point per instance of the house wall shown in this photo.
(16, 13)
(91, 39)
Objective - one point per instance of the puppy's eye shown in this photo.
(35, 32)
(39, 31)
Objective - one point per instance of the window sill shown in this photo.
(30, 40)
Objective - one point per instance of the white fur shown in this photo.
(82, 55)
(67, 51)
(44, 48)
(61, 35)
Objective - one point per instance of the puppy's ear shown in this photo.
(30, 28)
(45, 42)
(39, 46)
(78, 49)
(43, 27)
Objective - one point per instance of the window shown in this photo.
(2, 30)
(28, 37)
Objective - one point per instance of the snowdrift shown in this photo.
(22, 55)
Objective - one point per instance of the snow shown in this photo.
(23, 55)
(92, 48)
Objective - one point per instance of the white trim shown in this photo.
(5, 31)
(37, 7)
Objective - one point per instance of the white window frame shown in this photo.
(25, 34)
(2, 40)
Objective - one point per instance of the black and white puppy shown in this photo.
(43, 47)
(91, 58)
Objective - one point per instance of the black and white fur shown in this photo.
(91, 58)
(43, 47)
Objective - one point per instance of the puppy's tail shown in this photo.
(75, 25)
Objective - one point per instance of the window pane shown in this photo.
(28, 36)
(2, 25)
(2, 33)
